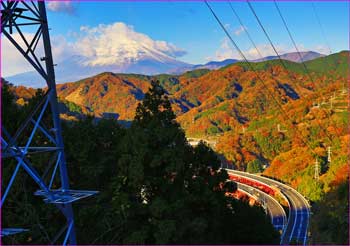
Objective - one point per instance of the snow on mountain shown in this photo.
(76, 68)
(114, 48)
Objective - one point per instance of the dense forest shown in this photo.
(154, 188)
(262, 118)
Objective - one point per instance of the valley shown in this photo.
(262, 118)
(272, 121)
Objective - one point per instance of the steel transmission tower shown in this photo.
(329, 152)
(16, 16)
(317, 171)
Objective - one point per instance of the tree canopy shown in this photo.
(154, 187)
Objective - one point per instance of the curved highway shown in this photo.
(274, 209)
(299, 213)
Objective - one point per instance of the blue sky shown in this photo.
(190, 25)
(189, 31)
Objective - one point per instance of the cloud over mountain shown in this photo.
(120, 44)
(115, 47)
(12, 61)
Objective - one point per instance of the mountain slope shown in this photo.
(282, 123)
(336, 64)
(200, 90)
(241, 113)
(195, 91)
(106, 93)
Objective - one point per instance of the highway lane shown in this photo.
(274, 209)
(299, 214)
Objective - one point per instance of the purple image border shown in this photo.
(184, 1)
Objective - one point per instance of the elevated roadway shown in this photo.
(296, 230)
(273, 208)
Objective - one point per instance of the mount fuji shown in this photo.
(148, 62)
(133, 59)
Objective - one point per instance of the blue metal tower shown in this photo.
(15, 17)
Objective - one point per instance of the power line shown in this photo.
(245, 29)
(247, 33)
(251, 40)
(273, 46)
(321, 27)
(257, 75)
(266, 34)
(294, 43)
(324, 36)
(280, 59)
(227, 33)
(296, 47)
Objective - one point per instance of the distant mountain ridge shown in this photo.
(294, 57)
(151, 63)
(216, 64)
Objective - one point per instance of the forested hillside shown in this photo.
(154, 188)
(262, 117)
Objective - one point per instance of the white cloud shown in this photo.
(61, 6)
(225, 52)
(169, 48)
(266, 50)
(323, 49)
(13, 62)
(61, 48)
(114, 44)
(239, 30)
(119, 43)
